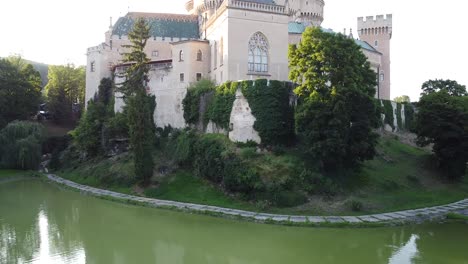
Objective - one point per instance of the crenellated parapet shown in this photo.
(378, 25)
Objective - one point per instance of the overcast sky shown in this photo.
(429, 37)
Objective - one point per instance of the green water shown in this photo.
(41, 223)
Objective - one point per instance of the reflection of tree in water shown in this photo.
(114, 233)
(19, 230)
(445, 244)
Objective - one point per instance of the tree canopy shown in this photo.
(451, 87)
(402, 99)
(20, 90)
(65, 91)
(443, 121)
(336, 88)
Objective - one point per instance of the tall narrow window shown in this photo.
(221, 52)
(199, 55)
(181, 55)
(258, 53)
(199, 76)
(215, 52)
(93, 66)
(182, 77)
(382, 77)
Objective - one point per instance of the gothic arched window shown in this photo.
(199, 55)
(258, 53)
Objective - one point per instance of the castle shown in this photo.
(225, 40)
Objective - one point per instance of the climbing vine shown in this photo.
(270, 104)
(191, 101)
(388, 112)
(409, 116)
(398, 116)
(219, 110)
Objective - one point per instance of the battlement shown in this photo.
(373, 22)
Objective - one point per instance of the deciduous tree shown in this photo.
(65, 91)
(20, 91)
(442, 119)
(336, 87)
(451, 87)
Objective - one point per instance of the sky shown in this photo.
(429, 37)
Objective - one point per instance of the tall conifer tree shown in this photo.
(139, 105)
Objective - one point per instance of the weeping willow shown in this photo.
(21, 145)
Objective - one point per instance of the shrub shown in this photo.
(182, 146)
(209, 154)
(117, 126)
(21, 145)
(355, 205)
(248, 153)
(238, 177)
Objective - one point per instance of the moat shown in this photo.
(42, 223)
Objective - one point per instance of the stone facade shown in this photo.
(224, 40)
(377, 32)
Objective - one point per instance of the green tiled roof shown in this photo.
(299, 28)
(161, 25)
(296, 28)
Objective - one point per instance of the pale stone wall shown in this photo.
(242, 121)
(242, 26)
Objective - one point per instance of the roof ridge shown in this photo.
(162, 16)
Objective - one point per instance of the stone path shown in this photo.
(407, 216)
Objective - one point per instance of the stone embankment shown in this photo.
(394, 218)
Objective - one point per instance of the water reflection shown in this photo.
(40, 223)
(47, 254)
(406, 253)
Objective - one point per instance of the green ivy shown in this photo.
(409, 116)
(270, 105)
(219, 110)
(388, 112)
(191, 101)
(398, 115)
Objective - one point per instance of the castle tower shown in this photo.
(377, 32)
(309, 12)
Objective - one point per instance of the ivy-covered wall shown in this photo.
(269, 102)
(402, 112)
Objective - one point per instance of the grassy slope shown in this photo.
(10, 173)
(400, 177)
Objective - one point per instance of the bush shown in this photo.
(117, 126)
(355, 205)
(209, 154)
(181, 147)
(21, 145)
(238, 177)
(248, 153)
(319, 184)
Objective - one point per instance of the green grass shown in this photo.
(400, 177)
(6, 174)
(455, 216)
(183, 187)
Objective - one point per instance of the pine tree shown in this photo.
(139, 105)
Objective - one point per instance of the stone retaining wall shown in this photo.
(393, 218)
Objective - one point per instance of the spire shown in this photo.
(351, 33)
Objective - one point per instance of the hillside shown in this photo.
(400, 177)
